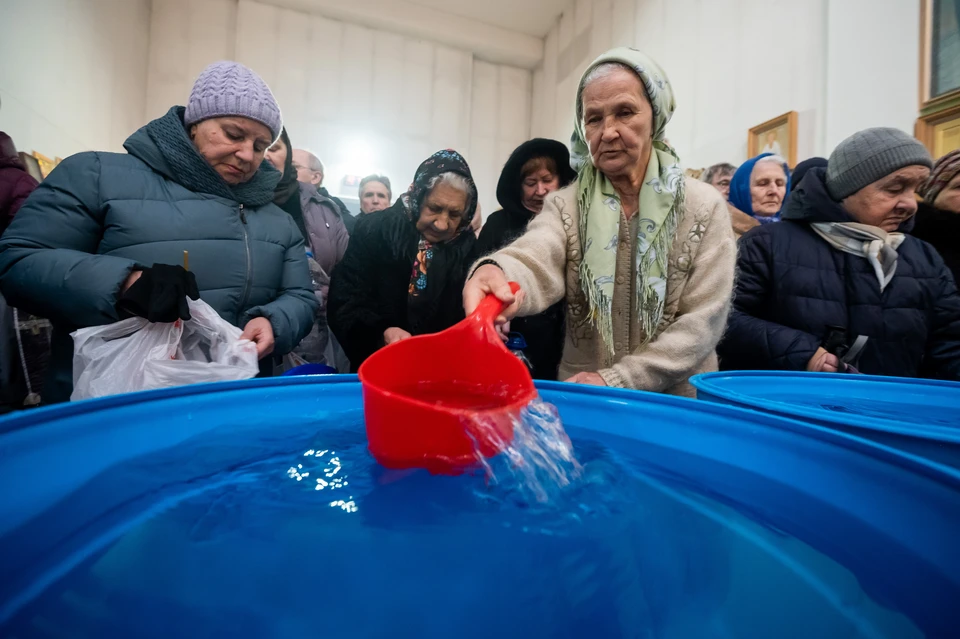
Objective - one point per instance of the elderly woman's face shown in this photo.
(535, 188)
(618, 122)
(233, 146)
(277, 155)
(768, 187)
(890, 201)
(949, 198)
(442, 213)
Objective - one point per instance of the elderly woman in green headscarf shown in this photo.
(644, 257)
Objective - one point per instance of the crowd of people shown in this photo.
(631, 274)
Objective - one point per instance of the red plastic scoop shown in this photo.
(439, 401)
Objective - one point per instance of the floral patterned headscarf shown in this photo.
(437, 266)
(661, 199)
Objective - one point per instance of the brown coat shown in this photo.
(700, 272)
(741, 221)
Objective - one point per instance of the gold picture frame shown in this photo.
(46, 164)
(938, 126)
(777, 135)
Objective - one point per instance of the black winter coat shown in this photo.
(544, 333)
(942, 230)
(792, 285)
(369, 288)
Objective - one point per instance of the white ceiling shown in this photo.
(501, 31)
(532, 17)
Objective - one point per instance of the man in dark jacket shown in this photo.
(310, 171)
(15, 183)
(839, 263)
(535, 169)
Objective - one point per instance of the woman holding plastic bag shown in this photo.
(104, 236)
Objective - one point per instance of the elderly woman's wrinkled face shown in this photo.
(618, 122)
(949, 198)
(277, 155)
(768, 187)
(890, 201)
(442, 213)
(536, 186)
(233, 146)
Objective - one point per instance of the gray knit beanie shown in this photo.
(231, 89)
(869, 155)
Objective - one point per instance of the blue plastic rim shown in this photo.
(918, 416)
(310, 369)
(890, 518)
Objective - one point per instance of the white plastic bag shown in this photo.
(135, 355)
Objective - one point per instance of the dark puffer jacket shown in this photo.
(99, 216)
(544, 332)
(941, 229)
(369, 289)
(792, 285)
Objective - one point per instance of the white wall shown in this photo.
(874, 70)
(843, 65)
(363, 100)
(72, 73)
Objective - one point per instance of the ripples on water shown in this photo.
(261, 531)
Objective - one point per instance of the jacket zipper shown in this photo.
(246, 283)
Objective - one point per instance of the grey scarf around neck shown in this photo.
(193, 172)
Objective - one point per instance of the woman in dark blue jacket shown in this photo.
(837, 283)
(103, 237)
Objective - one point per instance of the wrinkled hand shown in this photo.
(490, 279)
(260, 332)
(394, 334)
(590, 379)
(823, 362)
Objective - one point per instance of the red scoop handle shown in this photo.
(491, 306)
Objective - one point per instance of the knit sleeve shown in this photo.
(537, 259)
(680, 350)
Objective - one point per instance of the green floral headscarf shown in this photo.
(661, 199)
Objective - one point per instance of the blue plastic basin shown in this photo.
(918, 416)
(251, 509)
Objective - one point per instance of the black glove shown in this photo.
(160, 295)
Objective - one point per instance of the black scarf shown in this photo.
(191, 170)
(287, 193)
(435, 266)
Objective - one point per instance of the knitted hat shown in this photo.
(231, 89)
(944, 170)
(868, 155)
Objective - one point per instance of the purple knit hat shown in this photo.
(231, 89)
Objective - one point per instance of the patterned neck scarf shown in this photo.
(661, 200)
(869, 242)
(434, 262)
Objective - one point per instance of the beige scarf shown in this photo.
(870, 242)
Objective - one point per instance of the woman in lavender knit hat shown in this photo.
(103, 237)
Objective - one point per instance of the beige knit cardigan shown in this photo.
(545, 262)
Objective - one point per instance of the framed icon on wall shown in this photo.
(777, 135)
